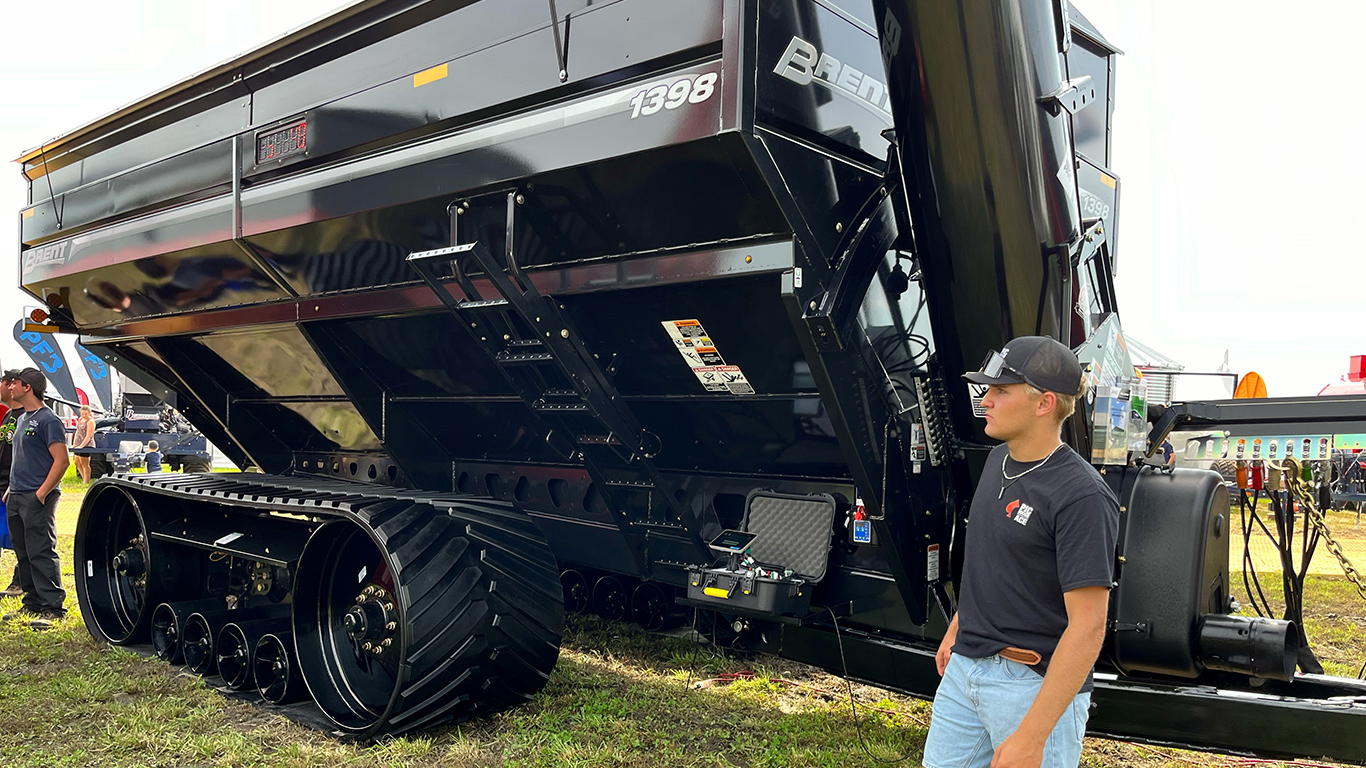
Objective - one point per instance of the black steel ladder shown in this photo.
(531, 341)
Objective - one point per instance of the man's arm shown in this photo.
(941, 657)
(60, 461)
(1071, 663)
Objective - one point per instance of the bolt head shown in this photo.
(564, 333)
(839, 227)
(367, 646)
(520, 199)
(388, 641)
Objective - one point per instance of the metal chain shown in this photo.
(1305, 492)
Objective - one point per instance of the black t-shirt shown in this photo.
(1051, 531)
(7, 426)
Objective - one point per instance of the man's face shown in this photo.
(1011, 411)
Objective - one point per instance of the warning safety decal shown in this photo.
(693, 343)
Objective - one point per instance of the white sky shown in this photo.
(1236, 140)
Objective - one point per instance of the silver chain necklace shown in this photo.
(1005, 485)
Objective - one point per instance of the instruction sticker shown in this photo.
(975, 394)
(707, 364)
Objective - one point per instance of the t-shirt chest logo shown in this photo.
(1018, 512)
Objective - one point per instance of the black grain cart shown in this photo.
(526, 304)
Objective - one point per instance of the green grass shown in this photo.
(618, 697)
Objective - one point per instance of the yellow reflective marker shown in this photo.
(429, 76)
(714, 592)
(29, 213)
(1109, 182)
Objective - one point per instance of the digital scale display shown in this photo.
(733, 541)
(282, 142)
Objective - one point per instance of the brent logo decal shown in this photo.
(54, 253)
(804, 65)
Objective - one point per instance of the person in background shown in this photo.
(40, 461)
(1168, 454)
(7, 423)
(152, 459)
(85, 437)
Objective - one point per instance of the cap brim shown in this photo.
(977, 377)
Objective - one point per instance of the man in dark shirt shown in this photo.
(40, 460)
(6, 454)
(1017, 656)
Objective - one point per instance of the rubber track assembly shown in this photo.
(402, 610)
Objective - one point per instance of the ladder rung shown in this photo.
(524, 343)
(543, 406)
(523, 358)
(560, 393)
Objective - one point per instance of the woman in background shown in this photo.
(85, 436)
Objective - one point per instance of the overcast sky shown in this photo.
(1236, 141)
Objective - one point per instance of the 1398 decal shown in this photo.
(685, 89)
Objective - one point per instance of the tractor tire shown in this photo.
(99, 467)
(408, 614)
(194, 464)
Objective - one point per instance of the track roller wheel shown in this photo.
(196, 642)
(236, 641)
(575, 588)
(406, 615)
(168, 623)
(610, 600)
(653, 609)
(121, 573)
(277, 671)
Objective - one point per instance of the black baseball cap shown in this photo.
(1039, 361)
(35, 379)
(10, 375)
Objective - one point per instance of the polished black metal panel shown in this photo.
(625, 169)
(988, 166)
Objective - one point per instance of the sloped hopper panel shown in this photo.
(279, 361)
(792, 531)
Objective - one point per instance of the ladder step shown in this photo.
(524, 343)
(523, 358)
(482, 304)
(549, 393)
(598, 440)
(561, 407)
(630, 483)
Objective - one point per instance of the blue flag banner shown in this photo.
(98, 371)
(47, 357)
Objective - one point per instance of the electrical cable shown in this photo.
(849, 686)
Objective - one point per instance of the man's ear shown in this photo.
(1047, 402)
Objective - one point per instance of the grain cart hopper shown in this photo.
(496, 292)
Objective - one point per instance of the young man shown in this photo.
(7, 424)
(1017, 657)
(40, 460)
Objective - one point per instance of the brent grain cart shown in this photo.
(653, 304)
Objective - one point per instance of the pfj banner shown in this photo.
(98, 371)
(48, 357)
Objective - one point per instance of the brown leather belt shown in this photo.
(1021, 655)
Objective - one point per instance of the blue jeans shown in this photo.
(980, 702)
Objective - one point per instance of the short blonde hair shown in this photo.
(1066, 405)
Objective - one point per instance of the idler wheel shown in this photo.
(276, 670)
(575, 588)
(407, 615)
(121, 573)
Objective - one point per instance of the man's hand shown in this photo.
(41, 494)
(1019, 750)
(945, 652)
